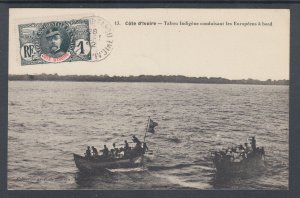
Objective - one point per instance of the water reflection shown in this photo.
(92, 180)
(237, 180)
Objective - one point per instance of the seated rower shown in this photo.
(88, 152)
(138, 145)
(136, 140)
(95, 152)
(116, 150)
(247, 148)
(112, 153)
(126, 147)
(105, 151)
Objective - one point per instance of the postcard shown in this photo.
(148, 99)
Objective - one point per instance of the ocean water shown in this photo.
(49, 121)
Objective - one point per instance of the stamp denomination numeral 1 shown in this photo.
(54, 42)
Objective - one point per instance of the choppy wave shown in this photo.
(186, 184)
(124, 170)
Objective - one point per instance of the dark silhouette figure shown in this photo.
(116, 150)
(95, 152)
(126, 147)
(253, 143)
(88, 152)
(136, 140)
(105, 151)
(138, 147)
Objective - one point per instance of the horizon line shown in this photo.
(163, 75)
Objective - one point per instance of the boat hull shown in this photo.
(247, 165)
(91, 165)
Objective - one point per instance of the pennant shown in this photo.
(151, 126)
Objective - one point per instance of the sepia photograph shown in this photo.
(148, 99)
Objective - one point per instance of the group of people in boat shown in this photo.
(116, 152)
(239, 152)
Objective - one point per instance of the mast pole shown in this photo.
(147, 128)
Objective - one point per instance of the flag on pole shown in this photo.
(151, 126)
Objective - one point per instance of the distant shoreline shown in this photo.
(143, 78)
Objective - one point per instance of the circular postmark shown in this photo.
(101, 38)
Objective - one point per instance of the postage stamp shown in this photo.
(55, 42)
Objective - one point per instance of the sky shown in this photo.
(233, 52)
